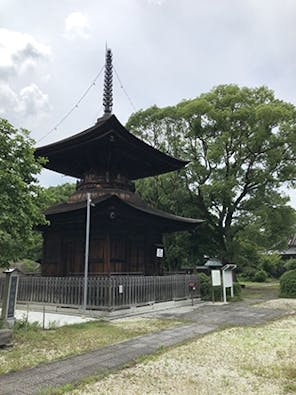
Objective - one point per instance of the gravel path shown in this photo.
(205, 318)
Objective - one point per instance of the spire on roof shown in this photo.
(108, 84)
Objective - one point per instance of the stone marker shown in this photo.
(10, 296)
(5, 337)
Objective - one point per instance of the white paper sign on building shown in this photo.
(159, 253)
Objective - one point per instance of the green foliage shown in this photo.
(181, 250)
(288, 284)
(248, 273)
(24, 325)
(253, 274)
(33, 251)
(21, 198)
(237, 289)
(59, 193)
(28, 266)
(242, 148)
(260, 276)
(205, 285)
(218, 292)
(290, 264)
(272, 264)
(263, 266)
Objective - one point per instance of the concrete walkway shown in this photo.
(206, 318)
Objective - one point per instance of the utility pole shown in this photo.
(88, 202)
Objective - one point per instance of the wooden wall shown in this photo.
(109, 252)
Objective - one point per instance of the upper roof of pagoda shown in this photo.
(107, 146)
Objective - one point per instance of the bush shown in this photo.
(205, 285)
(290, 264)
(288, 284)
(271, 264)
(237, 289)
(248, 274)
(217, 293)
(24, 325)
(260, 276)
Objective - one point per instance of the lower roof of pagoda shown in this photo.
(127, 211)
(109, 146)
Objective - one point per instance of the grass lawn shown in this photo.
(267, 290)
(32, 345)
(267, 284)
(245, 360)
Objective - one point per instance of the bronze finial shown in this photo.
(108, 84)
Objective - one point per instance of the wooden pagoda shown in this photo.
(125, 233)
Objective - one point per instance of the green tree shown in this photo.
(241, 146)
(59, 193)
(21, 198)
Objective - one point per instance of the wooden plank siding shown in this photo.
(104, 291)
(109, 251)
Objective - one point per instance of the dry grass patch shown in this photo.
(31, 345)
(254, 360)
(282, 304)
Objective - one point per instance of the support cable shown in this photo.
(125, 92)
(74, 107)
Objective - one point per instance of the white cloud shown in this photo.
(18, 52)
(33, 100)
(30, 101)
(8, 100)
(77, 26)
(156, 2)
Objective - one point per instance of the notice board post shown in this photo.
(227, 275)
(216, 281)
(9, 297)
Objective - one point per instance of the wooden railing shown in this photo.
(105, 292)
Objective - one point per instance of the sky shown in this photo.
(163, 51)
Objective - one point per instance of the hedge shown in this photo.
(288, 284)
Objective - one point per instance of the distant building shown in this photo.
(213, 263)
(290, 252)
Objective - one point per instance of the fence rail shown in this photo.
(105, 292)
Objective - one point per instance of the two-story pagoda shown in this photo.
(125, 233)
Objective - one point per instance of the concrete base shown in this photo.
(105, 314)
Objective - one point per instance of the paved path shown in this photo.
(206, 318)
